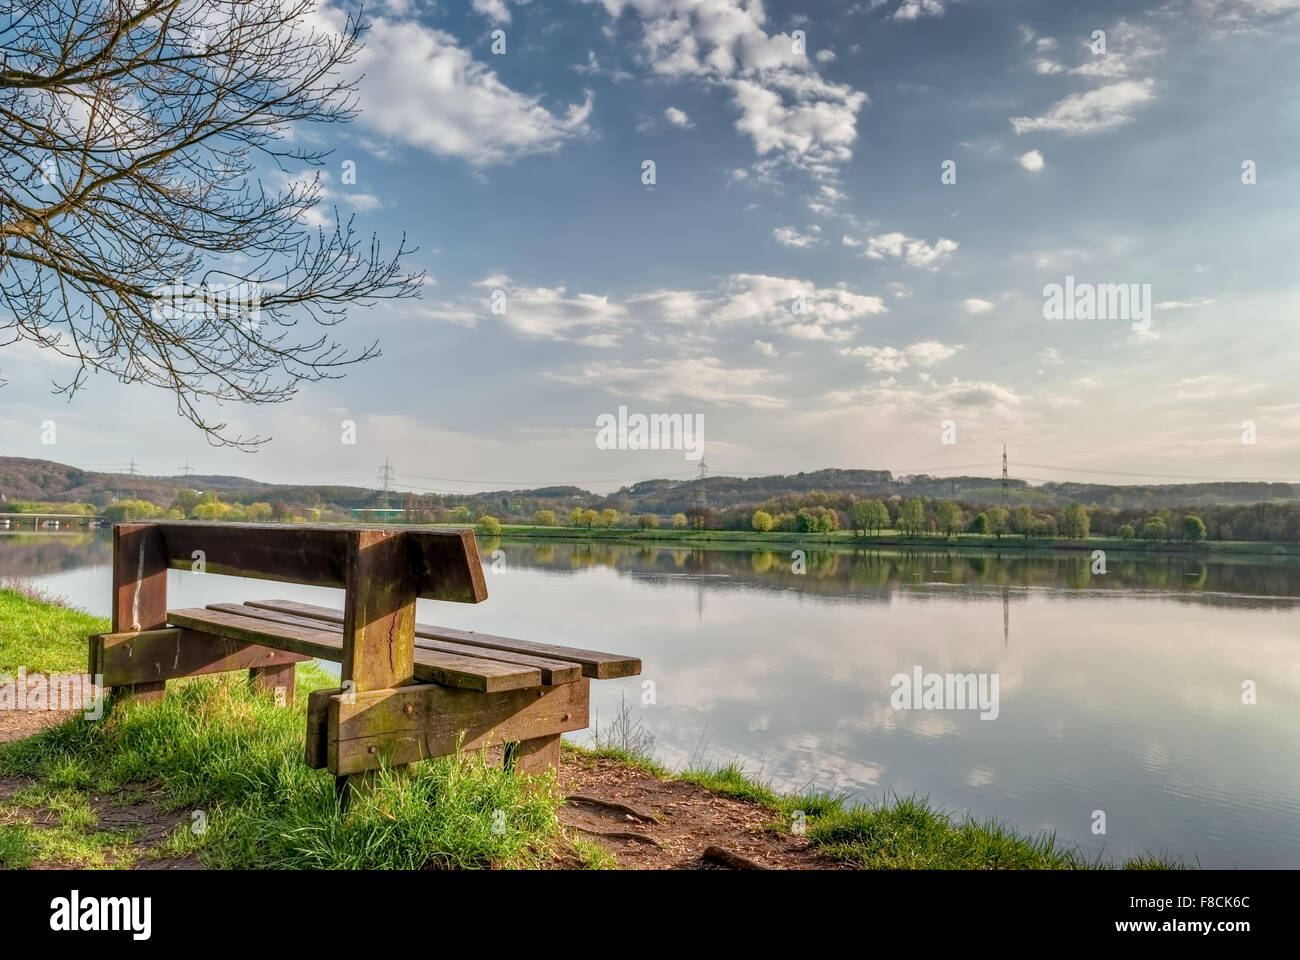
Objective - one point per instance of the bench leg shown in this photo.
(353, 785)
(276, 682)
(139, 596)
(535, 757)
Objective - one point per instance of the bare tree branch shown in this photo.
(136, 236)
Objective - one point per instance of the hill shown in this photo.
(45, 480)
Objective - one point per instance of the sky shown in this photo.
(840, 261)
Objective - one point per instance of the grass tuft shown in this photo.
(17, 848)
(907, 833)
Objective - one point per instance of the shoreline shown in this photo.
(1276, 549)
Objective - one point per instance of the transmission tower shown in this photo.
(701, 497)
(186, 470)
(386, 478)
(1004, 476)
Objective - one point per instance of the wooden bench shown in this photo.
(409, 690)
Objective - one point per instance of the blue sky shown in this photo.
(779, 173)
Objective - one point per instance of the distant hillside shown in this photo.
(23, 479)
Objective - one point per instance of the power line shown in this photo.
(1184, 478)
(555, 483)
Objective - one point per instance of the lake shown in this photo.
(1120, 692)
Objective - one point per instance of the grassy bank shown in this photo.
(224, 770)
(893, 833)
(38, 634)
(848, 538)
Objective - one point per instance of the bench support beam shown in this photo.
(148, 657)
(357, 731)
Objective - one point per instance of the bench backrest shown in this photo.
(443, 563)
(382, 569)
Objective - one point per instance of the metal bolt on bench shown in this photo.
(410, 691)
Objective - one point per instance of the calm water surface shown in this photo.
(1119, 692)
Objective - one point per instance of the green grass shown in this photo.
(17, 846)
(42, 636)
(592, 855)
(236, 758)
(907, 833)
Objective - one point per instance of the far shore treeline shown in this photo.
(825, 501)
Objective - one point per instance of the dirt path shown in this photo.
(687, 821)
(17, 724)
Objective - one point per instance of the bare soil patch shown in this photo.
(689, 819)
(17, 724)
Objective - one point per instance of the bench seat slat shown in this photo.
(597, 665)
(553, 671)
(431, 666)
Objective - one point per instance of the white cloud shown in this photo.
(702, 379)
(1031, 161)
(880, 359)
(1129, 47)
(422, 89)
(748, 300)
(498, 11)
(677, 118)
(1186, 304)
(927, 353)
(791, 114)
(790, 237)
(765, 348)
(1050, 356)
(914, 252)
(981, 404)
(547, 313)
(1093, 111)
(457, 317)
(599, 341)
(916, 9)
(976, 306)
(363, 202)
